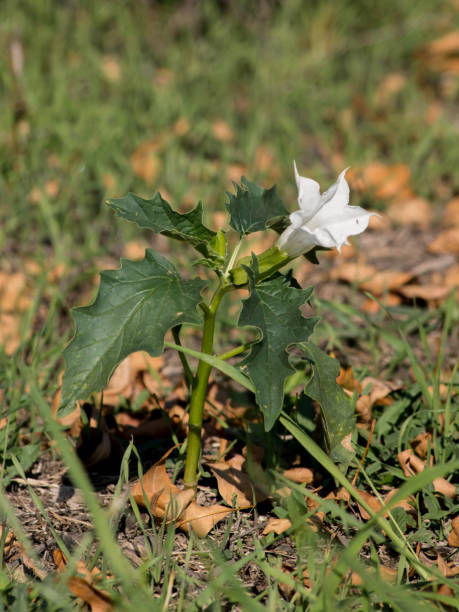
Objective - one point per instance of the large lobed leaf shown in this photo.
(135, 307)
(337, 411)
(253, 208)
(157, 215)
(274, 307)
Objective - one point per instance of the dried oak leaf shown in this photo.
(234, 482)
(300, 475)
(166, 500)
(84, 586)
(201, 519)
(446, 242)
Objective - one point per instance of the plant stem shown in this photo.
(198, 395)
(186, 366)
(237, 350)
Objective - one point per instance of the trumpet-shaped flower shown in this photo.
(324, 220)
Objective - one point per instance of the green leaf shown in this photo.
(157, 215)
(253, 208)
(274, 307)
(336, 408)
(135, 307)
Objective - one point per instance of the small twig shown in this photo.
(373, 423)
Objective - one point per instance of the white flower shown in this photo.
(324, 220)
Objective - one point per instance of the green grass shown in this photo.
(301, 80)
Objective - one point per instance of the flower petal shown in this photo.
(296, 241)
(334, 200)
(308, 193)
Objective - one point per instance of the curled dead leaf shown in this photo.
(411, 464)
(421, 444)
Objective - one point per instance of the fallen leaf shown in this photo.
(378, 388)
(300, 475)
(446, 242)
(181, 126)
(111, 68)
(450, 216)
(165, 499)
(277, 526)
(411, 211)
(383, 281)
(135, 249)
(452, 276)
(374, 504)
(347, 380)
(427, 293)
(232, 482)
(390, 86)
(146, 163)
(389, 300)
(411, 464)
(363, 410)
(442, 54)
(222, 131)
(353, 272)
(408, 503)
(421, 444)
(453, 538)
(85, 586)
(447, 569)
(385, 181)
(202, 519)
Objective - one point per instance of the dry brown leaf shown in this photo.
(347, 380)
(299, 475)
(379, 389)
(447, 569)
(452, 276)
(135, 249)
(380, 223)
(374, 504)
(388, 300)
(426, 292)
(450, 215)
(390, 86)
(277, 526)
(234, 172)
(453, 538)
(71, 421)
(165, 499)
(85, 586)
(385, 181)
(145, 162)
(233, 481)
(411, 465)
(181, 126)
(412, 211)
(111, 68)
(222, 131)
(421, 444)
(442, 54)
(383, 281)
(202, 519)
(353, 272)
(403, 503)
(446, 242)
(363, 410)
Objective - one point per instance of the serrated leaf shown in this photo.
(135, 307)
(274, 307)
(157, 215)
(253, 208)
(337, 411)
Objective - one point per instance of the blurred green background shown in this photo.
(98, 98)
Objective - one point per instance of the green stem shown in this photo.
(186, 366)
(236, 351)
(198, 395)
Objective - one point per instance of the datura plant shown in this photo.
(141, 301)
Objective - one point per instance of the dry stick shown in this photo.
(367, 447)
